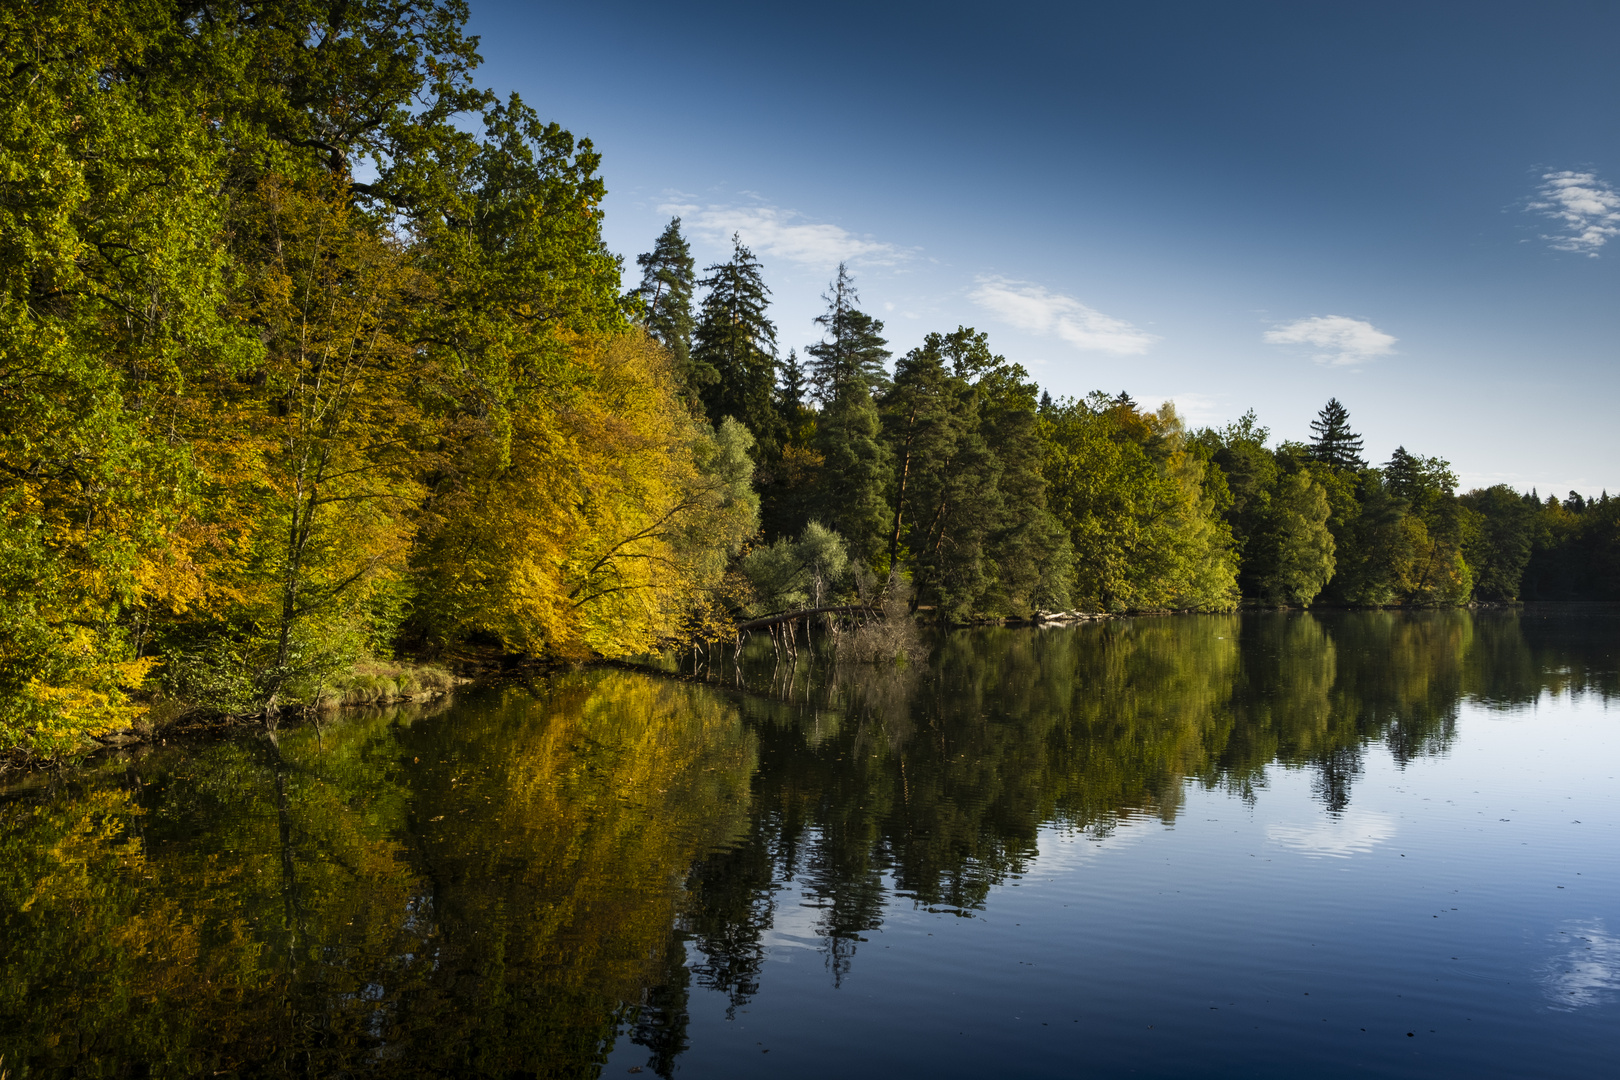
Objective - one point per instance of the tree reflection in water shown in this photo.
(514, 885)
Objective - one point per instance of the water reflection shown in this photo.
(488, 893)
(1339, 835)
(1585, 969)
(544, 871)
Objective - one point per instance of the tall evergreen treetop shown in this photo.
(737, 340)
(853, 348)
(667, 279)
(1422, 482)
(793, 387)
(1402, 474)
(1332, 441)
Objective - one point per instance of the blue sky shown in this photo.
(1414, 207)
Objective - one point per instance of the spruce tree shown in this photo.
(968, 493)
(1030, 561)
(1332, 442)
(926, 413)
(852, 349)
(736, 339)
(667, 278)
(849, 493)
(1402, 475)
(792, 388)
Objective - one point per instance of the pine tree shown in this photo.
(737, 341)
(792, 388)
(968, 494)
(926, 414)
(1402, 475)
(1333, 443)
(853, 348)
(849, 494)
(1031, 560)
(667, 278)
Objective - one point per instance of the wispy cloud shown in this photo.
(1586, 207)
(773, 232)
(1341, 339)
(1032, 307)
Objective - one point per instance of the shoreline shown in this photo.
(479, 669)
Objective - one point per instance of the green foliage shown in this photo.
(1499, 541)
(1146, 534)
(1251, 472)
(252, 405)
(791, 574)
(1297, 548)
(667, 280)
(1332, 442)
(854, 472)
(1576, 549)
(853, 349)
(1423, 484)
(114, 292)
(737, 341)
(969, 496)
(313, 351)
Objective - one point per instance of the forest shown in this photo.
(314, 356)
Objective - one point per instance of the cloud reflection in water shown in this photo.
(1339, 836)
(1586, 970)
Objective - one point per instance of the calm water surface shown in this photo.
(1271, 845)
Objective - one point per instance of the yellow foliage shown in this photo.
(612, 517)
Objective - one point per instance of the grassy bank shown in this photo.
(367, 683)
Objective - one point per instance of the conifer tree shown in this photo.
(667, 279)
(792, 388)
(926, 414)
(1426, 485)
(968, 494)
(736, 339)
(853, 348)
(1333, 443)
(1030, 552)
(849, 493)
(788, 471)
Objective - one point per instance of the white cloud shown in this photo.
(1587, 208)
(1033, 308)
(784, 234)
(1343, 340)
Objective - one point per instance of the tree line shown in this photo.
(949, 467)
(314, 352)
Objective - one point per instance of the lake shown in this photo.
(1263, 845)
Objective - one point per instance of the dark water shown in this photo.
(1274, 845)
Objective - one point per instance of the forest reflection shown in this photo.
(542, 871)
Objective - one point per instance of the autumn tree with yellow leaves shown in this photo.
(262, 419)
